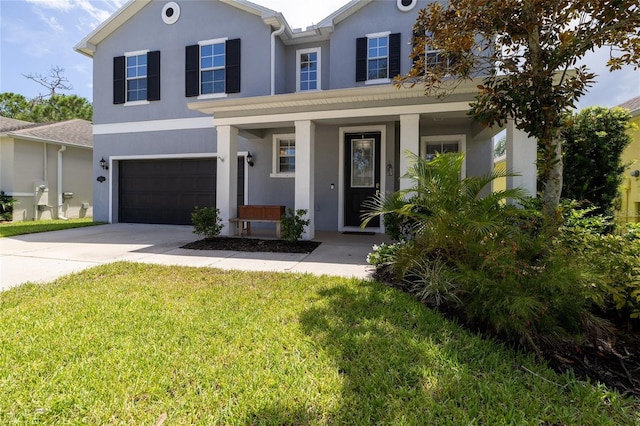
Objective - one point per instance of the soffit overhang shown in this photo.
(333, 105)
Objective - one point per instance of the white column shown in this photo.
(522, 152)
(305, 173)
(409, 141)
(227, 177)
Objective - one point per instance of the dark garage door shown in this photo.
(166, 191)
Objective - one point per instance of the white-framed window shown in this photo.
(284, 155)
(212, 66)
(378, 57)
(308, 69)
(136, 76)
(432, 145)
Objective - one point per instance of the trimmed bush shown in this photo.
(206, 222)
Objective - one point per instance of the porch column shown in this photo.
(227, 177)
(521, 159)
(409, 141)
(305, 173)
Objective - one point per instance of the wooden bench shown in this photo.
(260, 214)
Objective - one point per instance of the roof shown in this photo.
(276, 20)
(11, 124)
(633, 105)
(72, 132)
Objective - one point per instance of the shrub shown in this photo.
(206, 222)
(293, 224)
(6, 206)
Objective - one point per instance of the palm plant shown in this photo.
(441, 210)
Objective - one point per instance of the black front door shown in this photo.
(362, 174)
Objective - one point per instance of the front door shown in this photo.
(362, 175)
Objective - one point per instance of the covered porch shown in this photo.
(330, 129)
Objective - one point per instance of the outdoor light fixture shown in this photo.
(103, 164)
(635, 173)
(389, 169)
(249, 159)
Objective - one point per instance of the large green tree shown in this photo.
(594, 142)
(40, 110)
(525, 52)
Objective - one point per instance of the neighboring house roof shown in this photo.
(633, 105)
(72, 132)
(11, 124)
(270, 17)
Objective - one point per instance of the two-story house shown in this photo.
(220, 103)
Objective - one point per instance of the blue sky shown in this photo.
(36, 35)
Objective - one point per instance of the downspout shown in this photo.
(273, 57)
(60, 151)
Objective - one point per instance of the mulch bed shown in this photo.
(253, 245)
(609, 354)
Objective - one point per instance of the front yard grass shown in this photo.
(131, 343)
(11, 229)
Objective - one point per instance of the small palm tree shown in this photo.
(442, 211)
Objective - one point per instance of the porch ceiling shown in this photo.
(360, 104)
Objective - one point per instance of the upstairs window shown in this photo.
(284, 155)
(212, 68)
(136, 78)
(378, 57)
(308, 66)
(212, 60)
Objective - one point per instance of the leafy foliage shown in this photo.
(56, 108)
(293, 224)
(6, 206)
(206, 222)
(522, 52)
(593, 146)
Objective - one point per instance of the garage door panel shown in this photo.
(165, 191)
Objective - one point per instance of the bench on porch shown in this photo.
(260, 214)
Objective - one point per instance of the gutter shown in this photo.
(274, 34)
(62, 149)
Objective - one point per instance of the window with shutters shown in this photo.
(377, 57)
(212, 68)
(136, 78)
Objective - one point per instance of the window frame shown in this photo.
(378, 36)
(211, 42)
(128, 55)
(318, 79)
(275, 171)
(460, 139)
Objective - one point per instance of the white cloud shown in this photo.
(62, 5)
(51, 21)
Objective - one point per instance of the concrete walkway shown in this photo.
(46, 256)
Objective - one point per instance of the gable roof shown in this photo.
(87, 46)
(633, 105)
(72, 132)
(276, 20)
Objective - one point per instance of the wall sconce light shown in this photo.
(103, 164)
(389, 169)
(249, 159)
(635, 173)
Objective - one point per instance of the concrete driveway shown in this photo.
(46, 256)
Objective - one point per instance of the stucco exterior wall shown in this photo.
(630, 189)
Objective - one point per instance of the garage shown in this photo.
(165, 191)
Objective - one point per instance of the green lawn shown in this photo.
(131, 343)
(11, 229)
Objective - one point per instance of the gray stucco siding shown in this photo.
(199, 20)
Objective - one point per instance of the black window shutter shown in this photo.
(192, 71)
(119, 80)
(414, 43)
(361, 59)
(153, 76)
(394, 55)
(232, 66)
